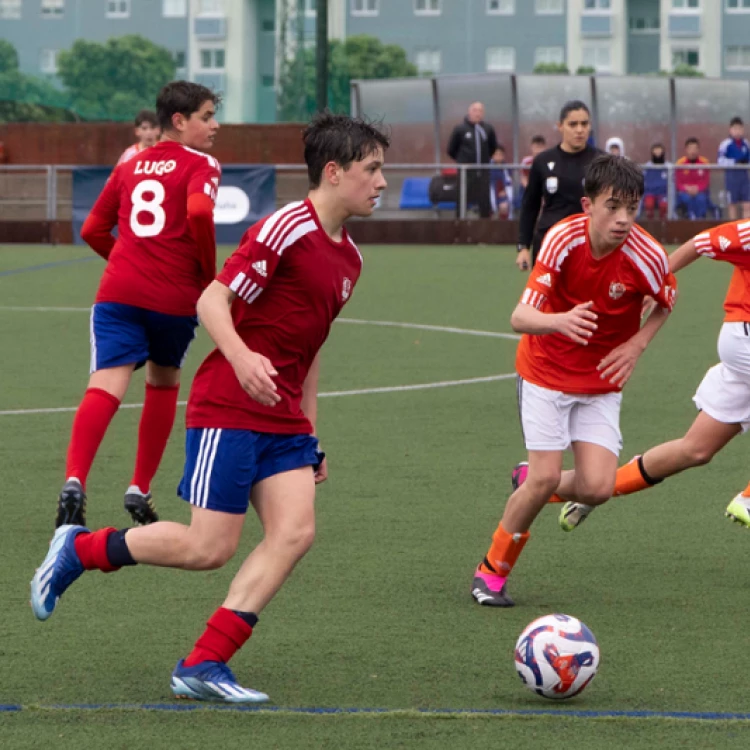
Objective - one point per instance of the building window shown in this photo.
(549, 56)
(210, 7)
(268, 25)
(686, 5)
(365, 7)
(642, 25)
(10, 9)
(548, 7)
(428, 61)
(501, 59)
(174, 8)
(48, 61)
(737, 58)
(427, 7)
(738, 6)
(213, 58)
(118, 8)
(267, 81)
(53, 8)
(596, 5)
(180, 61)
(598, 57)
(501, 7)
(311, 8)
(686, 56)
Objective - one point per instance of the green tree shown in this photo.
(24, 98)
(115, 79)
(687, 71)
(586, 70)
(359, 57)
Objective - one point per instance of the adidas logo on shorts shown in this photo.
(260, 268)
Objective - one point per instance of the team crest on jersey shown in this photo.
(616, 290)
(552, 185)
(346, 289)
(550, 165)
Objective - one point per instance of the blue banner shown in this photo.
(247, 193)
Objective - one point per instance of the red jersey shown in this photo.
(566, 274)
(731, 243)
(685, 178)
(291, 280)
(156, 262)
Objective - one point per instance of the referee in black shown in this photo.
(556, 176)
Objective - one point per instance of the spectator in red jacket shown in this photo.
(692, 184)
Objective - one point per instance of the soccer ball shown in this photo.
(557, 656)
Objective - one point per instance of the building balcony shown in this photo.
(684, 25)
(210, 29)
(595, 25)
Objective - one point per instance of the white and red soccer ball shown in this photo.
(557, 656)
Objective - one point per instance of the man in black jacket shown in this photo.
(473, 142)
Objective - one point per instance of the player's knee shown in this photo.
(542, 483)
(212, 557)
(296, 539)
(596, 494)
(698, 455)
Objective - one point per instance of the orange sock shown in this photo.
(503, 552)
(556, 499)
(746, 491)
(633, 478)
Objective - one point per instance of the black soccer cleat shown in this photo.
(71, 505)
(490, 590)
(140, 506)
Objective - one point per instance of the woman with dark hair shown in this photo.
(556, 177)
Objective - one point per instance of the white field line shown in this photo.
(328, 394)
(354, 321)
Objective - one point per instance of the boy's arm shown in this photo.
(619, 364)
(577, 324)
(96, 231)
(683, 256)
(254, 371)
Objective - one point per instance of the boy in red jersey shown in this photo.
(252, 410)
(723, 397)
(146, 131)
(580, 314)
(144, 313)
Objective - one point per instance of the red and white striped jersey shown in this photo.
(566, 274)
(291, 280)
(156, 262)
(731, 243)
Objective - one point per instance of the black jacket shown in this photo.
(556, 176)
(472, 144)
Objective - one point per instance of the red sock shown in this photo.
(92, 418)
(91, 548)
(155, 427)
(225, 633)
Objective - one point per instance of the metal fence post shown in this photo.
(461, 191)
(670, 192)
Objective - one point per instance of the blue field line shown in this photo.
(426, 712)
(43, 266)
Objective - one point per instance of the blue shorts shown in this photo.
(222, 465)
(738, 187)
(124, 334)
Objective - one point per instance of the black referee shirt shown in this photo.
(557, 177)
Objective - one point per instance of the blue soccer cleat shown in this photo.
(60, 568)
(211, 681)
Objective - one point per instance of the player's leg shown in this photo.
(544, 420)
(169, 338)
(117, 346)
(649, 205)
(700, 206)
(283, 498)
(663, 207)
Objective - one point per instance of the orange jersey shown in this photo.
(566, 274)
(731, 243)
(129, 153)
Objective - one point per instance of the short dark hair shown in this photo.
(341, 139)
(572, 106)
(146, 115)
(736, 121)
(539, 140)
(658, 144)
(690, 140)
(624, 176)
(184, 98)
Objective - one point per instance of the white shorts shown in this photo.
(552, 420)
(724, 392)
